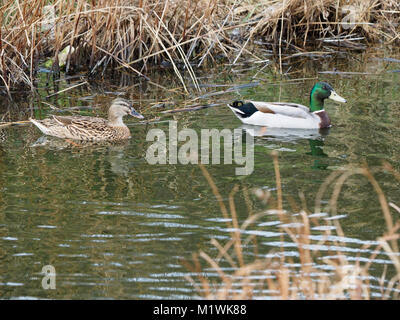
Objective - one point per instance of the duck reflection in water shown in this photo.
(315, 138)
(317, 151)
(113, 152)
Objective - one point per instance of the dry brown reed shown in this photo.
(297, 22)
(131, 33)
(278, 276)
(106, 33)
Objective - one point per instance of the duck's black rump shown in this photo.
(243, 110)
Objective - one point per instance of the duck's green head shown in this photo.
(319, 93)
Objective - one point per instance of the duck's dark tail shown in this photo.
(242, 110)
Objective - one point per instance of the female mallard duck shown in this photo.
(91, 128)
(289, 115)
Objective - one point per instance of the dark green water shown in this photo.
(114, 226)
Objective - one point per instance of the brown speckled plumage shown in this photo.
(91, 128)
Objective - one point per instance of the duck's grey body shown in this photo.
(280, 115)
(288, 115)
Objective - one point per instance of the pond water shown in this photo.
(116, 227)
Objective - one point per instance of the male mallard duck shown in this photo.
(91, 128)
(289, 115)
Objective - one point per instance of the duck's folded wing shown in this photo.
(80, 121)
(287, 109)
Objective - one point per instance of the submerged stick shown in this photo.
(233, 88)
(193, 108)
(7, 124)
(66, 89)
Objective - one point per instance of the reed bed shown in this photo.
(104, 33)
(130, 34)
(298, 21)
(282, 275)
